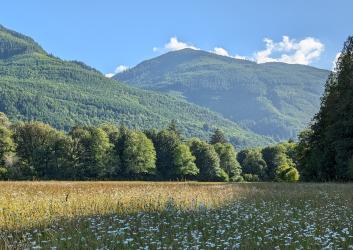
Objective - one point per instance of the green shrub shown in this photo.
(237, 178)
(3, 173)
(251, 177)
(286, 172)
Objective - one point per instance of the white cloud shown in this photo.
(220, 51)
(173, 45)
(241, 57)
(119, 69)
(290, 51)
(335, 60)
(223, 52)
(287, 50)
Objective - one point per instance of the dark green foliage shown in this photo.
(287, 172)
(280, 161)
(37, 86)
(90, 152)
(166, 143)
(7, 146)
(325, 151)
(85, 153)
(114, 164)
(174, 159)
(173, 127)
(207, 161)
(273, 156)
(228, 160)
(184, 163)
(309, 168)
(252, 163)
(41, 149)
(350, 168)
(139, 156)
(251, 177)
(218, 137)
(13, 43)
(34, 150)
(273, 163)
(273, 99)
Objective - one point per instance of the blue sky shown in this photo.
(107, 33)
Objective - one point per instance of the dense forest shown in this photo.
(60, 117)
(35, 85)
(34, 150)
(272, 99)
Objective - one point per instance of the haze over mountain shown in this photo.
(272, 99)
(37, 85)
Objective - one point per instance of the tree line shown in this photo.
(324, 152)
(37, 86)
(36, 151)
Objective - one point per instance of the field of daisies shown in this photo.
(150, 215)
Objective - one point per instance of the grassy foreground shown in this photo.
(147, 215)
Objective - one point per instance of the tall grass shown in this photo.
(31, 204)
(140, 215)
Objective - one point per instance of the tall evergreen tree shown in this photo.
(166, 142)
(329, 147)
(173, 127)
(218, 137)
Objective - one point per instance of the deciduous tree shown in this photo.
(207, 161)
(228, 160)
(139, 155)
(184, 163)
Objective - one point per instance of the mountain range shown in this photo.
(276, 100)
(35, 85)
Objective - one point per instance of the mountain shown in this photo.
(40, 86)
(272, 99)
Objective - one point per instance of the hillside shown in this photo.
(36, 85)
(272, 99)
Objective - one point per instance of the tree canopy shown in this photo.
(34, 150)
(228, 160)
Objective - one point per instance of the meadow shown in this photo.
(175, 215)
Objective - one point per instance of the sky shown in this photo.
(114, 35)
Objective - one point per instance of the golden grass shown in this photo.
(31, 204)
(133, 215)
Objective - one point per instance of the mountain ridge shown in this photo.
(35, 85)
(272, 99)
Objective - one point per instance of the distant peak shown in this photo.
(13, 43)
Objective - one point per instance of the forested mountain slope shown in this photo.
(36, 85)
(273, 99)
